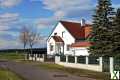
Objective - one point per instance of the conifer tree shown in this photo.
(102, 28)
(116, 34)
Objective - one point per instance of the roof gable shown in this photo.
(75, 29)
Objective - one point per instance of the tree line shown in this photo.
(22, 50)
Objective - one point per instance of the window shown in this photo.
(63, 33)
(55, 34)
(68, 47)
(51, 47)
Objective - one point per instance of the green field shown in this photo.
(12, 56)
(8, 75)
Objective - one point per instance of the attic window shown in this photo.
(63, 33)
(55, 33)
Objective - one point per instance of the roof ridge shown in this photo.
(65, 21)
(69, 21)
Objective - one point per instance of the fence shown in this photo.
(63, 58)
(81, 59)
(117, 63)
(36, 57)
(83, 62)
(101, 64)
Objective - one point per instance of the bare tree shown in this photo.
(33, 38)
(24, 37)
(29, 36)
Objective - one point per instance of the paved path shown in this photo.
(30, 72)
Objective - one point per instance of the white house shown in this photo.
(69, 38)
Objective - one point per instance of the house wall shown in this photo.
(51, 42)
(80, 51)
(67, 38)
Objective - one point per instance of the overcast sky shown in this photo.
(42, 14)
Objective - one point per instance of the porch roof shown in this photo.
(57, 39)
(81, 44)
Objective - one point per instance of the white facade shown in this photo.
(68, 39)
(80, 51)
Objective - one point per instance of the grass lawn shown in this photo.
(11, 56)
(78, 72)
(8, 75)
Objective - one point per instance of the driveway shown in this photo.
(31, 72)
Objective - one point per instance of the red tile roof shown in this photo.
(57, 39)
(82, 44)
(76, 30)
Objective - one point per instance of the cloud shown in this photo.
(65, 10)
(9, 40)
(8, 19)
(8, 37)
(67, 7)
(66, 4)
(9, 3)
(11, 44)
(44, 22)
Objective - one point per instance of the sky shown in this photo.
(43, 15)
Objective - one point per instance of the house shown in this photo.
(69, 38)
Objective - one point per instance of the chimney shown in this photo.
(82, 22)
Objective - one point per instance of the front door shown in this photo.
(59, 48)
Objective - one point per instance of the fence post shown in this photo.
(75, 59)
(29, 56)
(32, 56)
(25, 54)
(57, 59)
(86, 59)
(36, 57)
(101, 64)
(111, 64)
(43, 56)
(66, 58)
